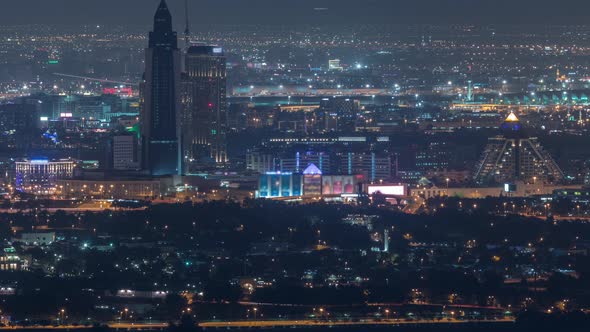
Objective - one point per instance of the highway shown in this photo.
(117, 326)
(268, 324)
(319, 323)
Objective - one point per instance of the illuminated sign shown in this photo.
(43, 118)
(128, 91)
(217, 50)
(338, 184)
(509, 187)
(394, 190)
(65, 115)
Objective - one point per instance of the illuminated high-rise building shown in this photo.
(204, 117)
(38, 176)
(160, 129)
(514, 156)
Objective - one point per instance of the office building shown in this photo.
(514, 156)
(302, 160)
(339, 113)
(435, 157)
(160, 129)
(39, 176)
(18, 123)
(260, 162)
(204, 116)
(125, 152)
(111, 188)
(371, 165)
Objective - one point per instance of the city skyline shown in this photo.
(302, 165)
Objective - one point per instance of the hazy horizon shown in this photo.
(298, 12)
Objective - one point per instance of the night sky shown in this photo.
(300, 11)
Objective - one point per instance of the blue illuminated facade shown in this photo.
(277, 184)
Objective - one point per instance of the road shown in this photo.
(71, 210)
(118, 326)
(266, 324)
(313, 323)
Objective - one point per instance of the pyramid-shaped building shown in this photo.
(514, 156)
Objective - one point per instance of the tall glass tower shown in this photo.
(204, 106)
(160, 120)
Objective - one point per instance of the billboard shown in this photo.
(338, 184)
(393, 190)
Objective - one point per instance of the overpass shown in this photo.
(526, 100)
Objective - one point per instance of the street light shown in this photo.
(61, 315)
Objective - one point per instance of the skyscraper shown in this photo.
(160, 129)
(204, 119)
